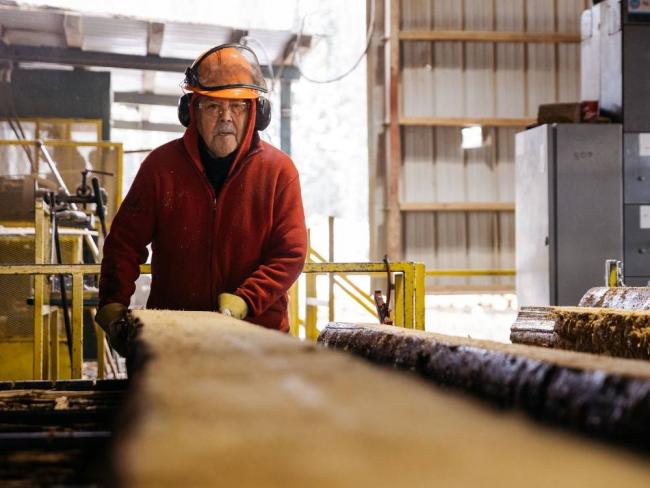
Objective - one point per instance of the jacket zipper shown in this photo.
(213, 225)
(213, 211)
(213, 303)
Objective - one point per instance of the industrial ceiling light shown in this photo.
(471, 137)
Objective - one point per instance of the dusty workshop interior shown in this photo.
(325, 243)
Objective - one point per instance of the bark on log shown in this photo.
(600, 395)
(620, 333)
(218, 402)
(626, 298)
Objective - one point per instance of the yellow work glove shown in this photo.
(119, 326)
(108, 314)
(233, 306)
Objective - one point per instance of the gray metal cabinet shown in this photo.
(569, 210)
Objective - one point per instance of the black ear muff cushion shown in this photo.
(184, 109)
(262, 113)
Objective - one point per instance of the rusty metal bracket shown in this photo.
(383, 308)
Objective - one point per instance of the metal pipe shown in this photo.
(471, 272)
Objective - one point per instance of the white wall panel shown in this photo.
(419, 171)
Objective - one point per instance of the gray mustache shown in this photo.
(225, 128)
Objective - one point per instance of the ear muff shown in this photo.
(184, 109)
(262, 113)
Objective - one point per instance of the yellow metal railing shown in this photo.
(409, 292)
(409, 305)
(63, 127)
(408, 310)
(470, 272)
(39, 271)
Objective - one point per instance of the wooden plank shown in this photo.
(155, 36)
(466, 121)
(72, 27)
(488, 36)
(614, 332)
(603, 396)
(457, 206)
(215, 401)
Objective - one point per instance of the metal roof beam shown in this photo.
(77, 57)
(155, 34)
(145, 125)
(73, 30)
(146, 98)
(236, 35)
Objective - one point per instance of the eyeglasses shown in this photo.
(216, 108)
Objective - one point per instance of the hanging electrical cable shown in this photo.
(245, 40)
(369, 32)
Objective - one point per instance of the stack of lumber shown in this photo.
(605, 396)
(219, 402)
(614, 332)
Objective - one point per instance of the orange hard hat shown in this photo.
(226, 71)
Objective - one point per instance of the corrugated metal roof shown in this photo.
(35, 20)
(114, 35)
(188, 40)
(21, 24)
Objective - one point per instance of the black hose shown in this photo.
(99, 205)
(64, 295)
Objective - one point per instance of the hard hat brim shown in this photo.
(236, 93)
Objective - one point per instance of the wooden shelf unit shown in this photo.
(465, 121)
(488, 36)
(390, 138)
(457, 206)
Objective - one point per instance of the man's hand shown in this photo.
(233, 306)
(119, 325)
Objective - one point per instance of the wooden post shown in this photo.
(100, 339)
(311, 308)
(77, 325)
(330, 276)
(54, 344)
(40, 236)
(394, 149)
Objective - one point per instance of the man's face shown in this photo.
(222, 123)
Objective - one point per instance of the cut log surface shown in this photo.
(219, 402)
(614, 332)
(602, 395)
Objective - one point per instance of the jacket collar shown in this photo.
(250, 142)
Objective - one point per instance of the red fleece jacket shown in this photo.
(251, 240)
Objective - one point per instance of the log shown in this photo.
(620, 333)
(626, 298)
(219, 402)
(599, 395)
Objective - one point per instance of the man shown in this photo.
(221, 208)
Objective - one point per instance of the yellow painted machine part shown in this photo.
(16, 359)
